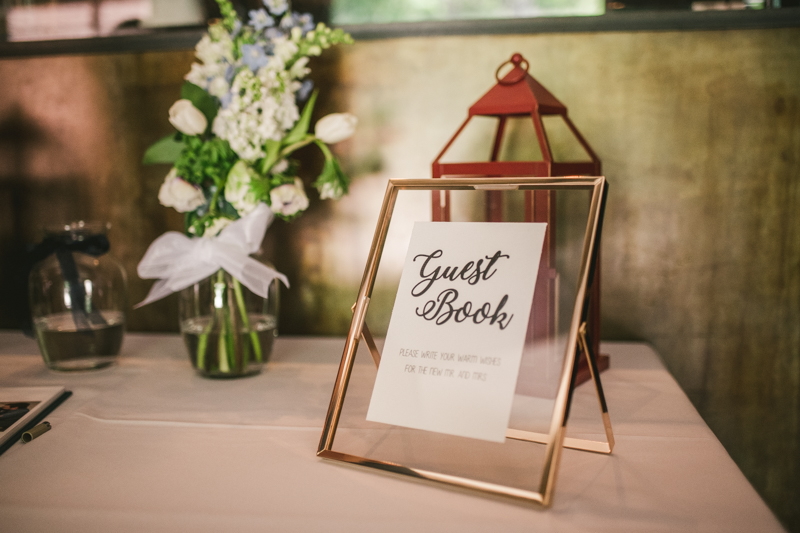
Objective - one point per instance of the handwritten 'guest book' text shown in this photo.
(455, 339)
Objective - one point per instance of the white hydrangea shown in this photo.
(218, 87)
(287, 113)
(299, 69)
(284, 49)
(262, 108)
(202, 75)
(215, 56)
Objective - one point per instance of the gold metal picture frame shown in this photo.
(576, 343)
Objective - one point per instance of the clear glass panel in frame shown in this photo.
(517, 464)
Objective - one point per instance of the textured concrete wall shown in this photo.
(699, 134)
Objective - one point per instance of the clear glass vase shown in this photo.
(78, 297)
(228, 330)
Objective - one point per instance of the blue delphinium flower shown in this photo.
(259, 19)
(304, 90)
(287, 22)
(274, 33)
(230, 72)
(306, 22)
(295, 20)
(276, 7)
(254, 56)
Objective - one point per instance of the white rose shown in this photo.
(181, 195)
(237, 188)
(213, 229)
(187, 118)
(335, 127)
(289, 199)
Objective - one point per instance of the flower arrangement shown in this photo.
(238, 121)
(245, 108)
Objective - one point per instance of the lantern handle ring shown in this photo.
(517, 60)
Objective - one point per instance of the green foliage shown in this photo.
(201, 100)
(195, 222)
(262, 186)
(201, 161)
(273, 151)
(165, 150)
(332, 174)
(228, 14)
(300, 129)
(189, 220)
(321, 38)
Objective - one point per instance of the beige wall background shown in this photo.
(699, 134)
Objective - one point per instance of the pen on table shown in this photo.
(35, 431)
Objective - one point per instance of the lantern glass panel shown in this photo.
(474, 143)
(519, 141)
(564, 145)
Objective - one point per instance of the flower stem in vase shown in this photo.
(221, 316)
(237, 289)
(202, 347)
(237, 350)
(202, 338)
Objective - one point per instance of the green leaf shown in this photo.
(301, 128)
(332, 173)
(273, 149)
(166, 150)
(201, 100)
(188, 220)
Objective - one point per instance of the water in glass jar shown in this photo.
(64, 346)
(215, 353)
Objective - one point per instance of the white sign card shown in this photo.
(455, 339)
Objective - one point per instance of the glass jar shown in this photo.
(78, 298)
(228, 330)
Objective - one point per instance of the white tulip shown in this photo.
(335, 127)
(331, 190)
(289, 198)
(181, 195)
(237, 189)
(187, 118)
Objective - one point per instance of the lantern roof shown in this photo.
(517, 93)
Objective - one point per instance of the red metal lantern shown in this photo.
(518, 94)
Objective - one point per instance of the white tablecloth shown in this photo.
(148, 445)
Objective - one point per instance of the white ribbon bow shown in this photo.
(180, 261)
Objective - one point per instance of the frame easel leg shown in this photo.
(578, 444)
(366, 334)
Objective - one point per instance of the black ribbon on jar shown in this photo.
(63, 245)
